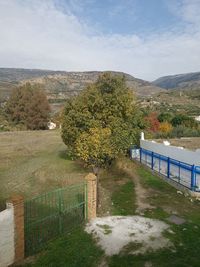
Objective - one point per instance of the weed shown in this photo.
(106, 228)
(131, 247)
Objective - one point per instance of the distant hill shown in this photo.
(16, 75)
(182, 94)
(60, 85)
(11, 77)
(188, 81)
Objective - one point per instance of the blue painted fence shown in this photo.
(180, 172)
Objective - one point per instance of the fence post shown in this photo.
(168, 167)
(18, 206)
(159, 163)
(193, 182)
(152, 161)
(140, 155)
(91, 201)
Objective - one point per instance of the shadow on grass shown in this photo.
(76, 249)
(64, 154)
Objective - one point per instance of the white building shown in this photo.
(197, 118)
(51, 125)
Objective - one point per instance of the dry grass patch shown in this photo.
(32, 162)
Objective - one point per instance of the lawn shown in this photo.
(186, 237)
(118, 197)
(76, 249)
(33, 162)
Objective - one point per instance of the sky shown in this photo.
(145, 38)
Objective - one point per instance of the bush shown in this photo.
(182, 131)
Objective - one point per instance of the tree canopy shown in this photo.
(28, 106)
(101, 122)
(165, 117)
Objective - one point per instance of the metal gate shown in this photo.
(49, 215)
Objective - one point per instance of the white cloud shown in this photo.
(37, 34)
(188, 10)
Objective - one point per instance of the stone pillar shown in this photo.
(18, 205)
(91, 181)
(142, 136)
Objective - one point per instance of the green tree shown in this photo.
(165, 117)
(28, 106)
(95, 147)
(107, 104)
(184, 120)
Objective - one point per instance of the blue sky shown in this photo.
(145, 38)
(141, 17)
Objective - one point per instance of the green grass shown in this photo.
(120, 199)
(124, 200)
(79, 248)
(76, 249)
(186, 237)
(107, 229)
(165, 198)
(150, 180)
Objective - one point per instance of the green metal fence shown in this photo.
(49, 215)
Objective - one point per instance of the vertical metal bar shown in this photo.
(159, 163)
(140, 155)
(193, 182)
(152, 160)
(179, 172)
(168, 167)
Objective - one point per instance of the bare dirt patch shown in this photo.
(130, 234)
(105, 203)
(142, 193)
(176, 220)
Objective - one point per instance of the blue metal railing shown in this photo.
(180, 172)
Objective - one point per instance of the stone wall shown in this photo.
(7, 246)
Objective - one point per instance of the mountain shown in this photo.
(60, 85)
(182, 94)
(188, 81)
(10, 78)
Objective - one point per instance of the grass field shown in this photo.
(118, 197)
(35, 162)
(32, 162)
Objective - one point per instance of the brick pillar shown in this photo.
(18, 205)
(91, 180)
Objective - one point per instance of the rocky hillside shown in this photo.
(60, 85)
(10, 78)
(188, 81)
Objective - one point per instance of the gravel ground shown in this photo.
(134, 234)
